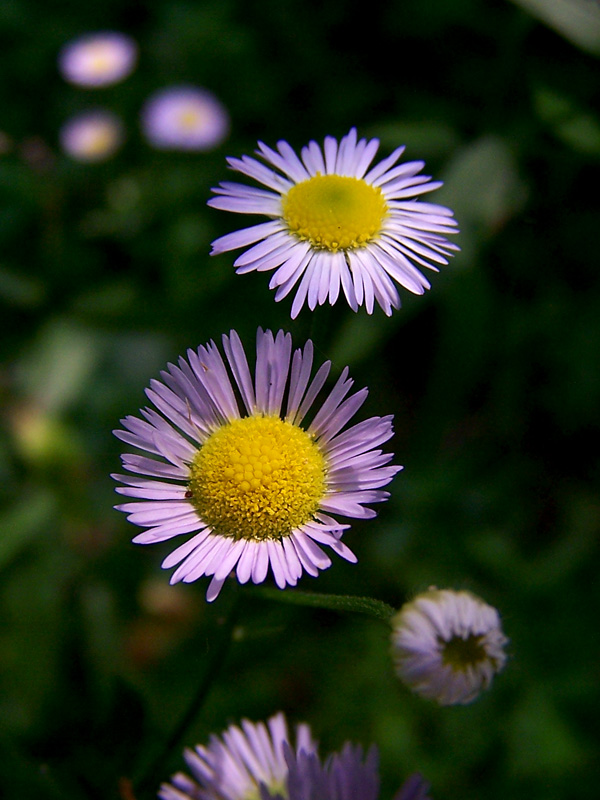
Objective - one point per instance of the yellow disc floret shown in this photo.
(257, 478)
(101, 57)
(334, 212)
(464, 654)
(189, 118)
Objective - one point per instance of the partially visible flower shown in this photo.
(98, 59)
(414, 788)
(92, 136)
(253, 486)
(447, 645)
(336, 225)
(184, 118)
(347, 775)
(256, 762)
(239, 763)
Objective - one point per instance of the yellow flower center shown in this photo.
(101, 58)
(257, 478)
(189, 119)
(335, 212)
(99, 140)
(460, 654)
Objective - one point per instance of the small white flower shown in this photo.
(98, 59)
(184, 118)
(92, 136)
(447, 645)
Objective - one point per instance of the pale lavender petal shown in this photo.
(244, 237)
(238, 362)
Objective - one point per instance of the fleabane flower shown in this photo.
(92, 136)
(236, 765)
(448, 645)
(336, 223)
(263, 762)
(184, 118)
(245, 474)
(98, 59)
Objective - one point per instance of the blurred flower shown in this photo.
(184, 118)
(254, 486)
(260, 762)
(92, 136)
(334, 225)
(98, 59)
(447, 645)
(414, 788)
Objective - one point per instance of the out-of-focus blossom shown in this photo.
(447, 645)
(92, 136)
(184, 118)
(98, 59)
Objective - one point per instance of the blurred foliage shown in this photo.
(493, 377)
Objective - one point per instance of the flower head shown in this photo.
(261, 762)
(98, 59)
(447, 645)
(238, 764)
(92, 136)
(185, 118)
(336, 225)
(250, 480)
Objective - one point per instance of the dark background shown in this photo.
(493, 378)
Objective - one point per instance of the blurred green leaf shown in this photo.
(541, 742)
(578, 129)
(27, 518)
(483, 186)
(576, 20)
(57, 369)
(20, 290)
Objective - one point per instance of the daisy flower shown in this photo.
(98, 59)
(184, 118)
(448, 645)
(245, 474)
(236, 765)
(258, 761)
(336, 223)
(92, 136)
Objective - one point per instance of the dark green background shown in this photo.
(493, 378)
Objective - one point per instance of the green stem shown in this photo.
(332, 602)
(155, 771)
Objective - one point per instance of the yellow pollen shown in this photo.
(257, 478)
(335, 212)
